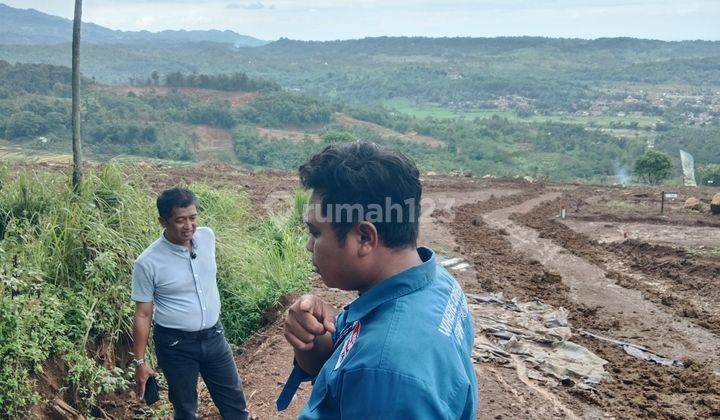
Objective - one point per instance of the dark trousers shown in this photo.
(182, 355)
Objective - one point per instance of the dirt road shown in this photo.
(501, 237)
(589, 285)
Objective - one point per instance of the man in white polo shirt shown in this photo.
(174, 286)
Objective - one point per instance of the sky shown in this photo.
(348, 19)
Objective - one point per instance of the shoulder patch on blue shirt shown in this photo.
(349, 343)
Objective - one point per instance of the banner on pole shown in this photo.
(688, 166)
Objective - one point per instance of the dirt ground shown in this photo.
(689, 237)
(294, 135)
(236, 99)
(212, 143)
(657, 296)
(643, 205)
(531, 260)
(656, 288)
(410, 137)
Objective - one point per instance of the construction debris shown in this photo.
(635, 350)
(456, 263)
(532, 335)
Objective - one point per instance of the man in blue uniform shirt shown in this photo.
(403, 348)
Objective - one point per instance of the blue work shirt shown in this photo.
(183, 289)
(402, 350)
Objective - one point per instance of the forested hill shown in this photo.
(599, 60)
(31, 27)
(555, 73)
(451, 47)
(252, 121)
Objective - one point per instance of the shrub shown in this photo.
(710, 175)
(653, 167)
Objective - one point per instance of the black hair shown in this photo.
(174, 198)
(371, 176)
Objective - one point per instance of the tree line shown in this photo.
(233, 82)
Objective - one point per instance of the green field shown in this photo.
(425, 110)
(602, 121)
(437, 111)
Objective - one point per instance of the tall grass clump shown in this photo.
(65, 266)
(271, 263)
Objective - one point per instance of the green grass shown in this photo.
(599, 121)
(643, 121)
(438, 111)
(65, 265)
(420, 110)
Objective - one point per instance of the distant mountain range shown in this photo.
(31, 27)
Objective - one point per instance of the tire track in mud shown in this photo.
(515, 260)
(685, 283)
(589, 285)
(502, 393)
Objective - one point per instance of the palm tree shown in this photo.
(76, 144)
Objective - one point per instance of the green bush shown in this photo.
(24, 124)
(280, 108)
(65, 264)
(254, 150)
(710, 175)
(653, 167)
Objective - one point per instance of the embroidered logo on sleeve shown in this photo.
(456, 311)
(349, 343)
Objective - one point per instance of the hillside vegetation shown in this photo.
(555, 73)
(65, 271)
(558, 108)
(175, 116)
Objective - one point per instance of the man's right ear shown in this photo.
(162, 222)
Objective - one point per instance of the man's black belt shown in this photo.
(190, 335)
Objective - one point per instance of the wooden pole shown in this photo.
(77, 175)
(662, 203)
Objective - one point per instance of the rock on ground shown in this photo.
(693, 203)
(715, 204)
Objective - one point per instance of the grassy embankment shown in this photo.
(65, 264)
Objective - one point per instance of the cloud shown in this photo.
(249, 6)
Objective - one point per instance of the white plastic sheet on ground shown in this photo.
(536, 335)
(634, 350)
(456, 263)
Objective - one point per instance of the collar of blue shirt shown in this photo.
(180, 249)
(401, 284)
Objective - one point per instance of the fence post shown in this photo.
(662, 203)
